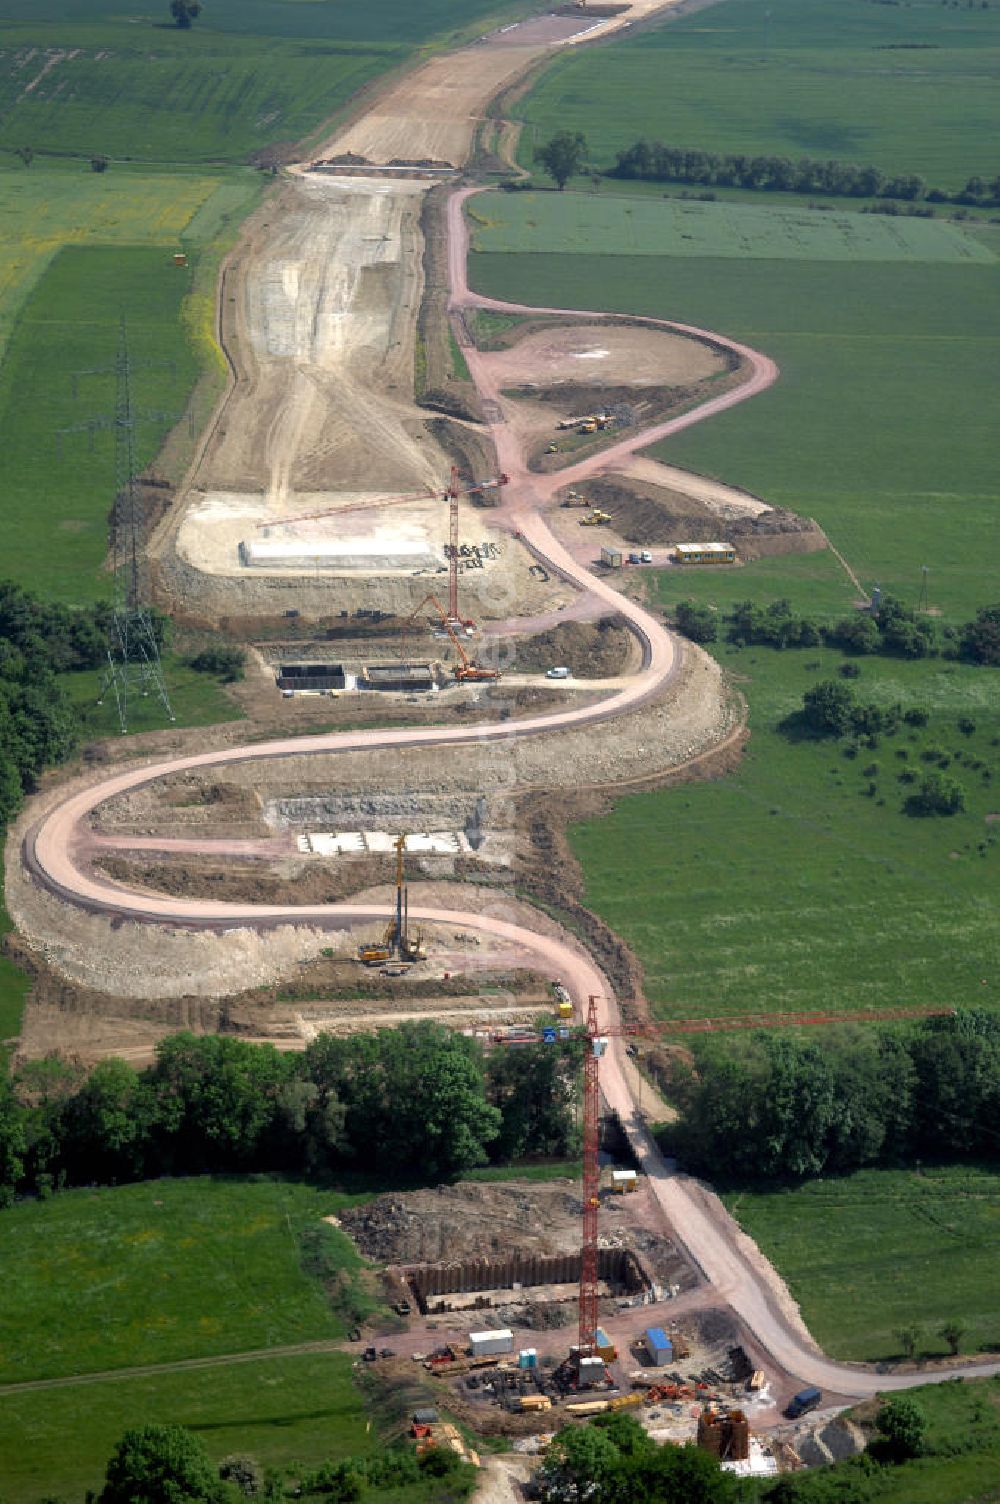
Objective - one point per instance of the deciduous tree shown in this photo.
(161, 1465)
(184, 12)
(563, 156)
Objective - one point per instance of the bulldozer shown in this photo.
(597, 518)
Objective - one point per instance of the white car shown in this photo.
(557, 673)
(647, 557)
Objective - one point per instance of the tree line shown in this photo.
(781, 1108)
(168, 1464)
(888, 628)
(656, 162)
(38, 723)
(416, 1101)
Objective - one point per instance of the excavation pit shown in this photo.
(315, 676)
(486, 1283)
(404, 678)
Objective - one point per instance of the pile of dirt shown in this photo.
(590, 650)
(466, 1221)
(642, 516)
(345, 159)
(651, 515)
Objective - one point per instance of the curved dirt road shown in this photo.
(53, 850)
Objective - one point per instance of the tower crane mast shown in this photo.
(451, 497)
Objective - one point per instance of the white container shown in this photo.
(485, 1344)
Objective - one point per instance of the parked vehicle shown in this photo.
(557, 673)
(804, 1401)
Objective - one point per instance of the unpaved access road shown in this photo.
(729, 1261)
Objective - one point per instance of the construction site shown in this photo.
(452, 655)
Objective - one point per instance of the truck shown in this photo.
(804, 1401)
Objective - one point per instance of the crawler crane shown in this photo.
(467, 670)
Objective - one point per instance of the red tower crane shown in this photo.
(326, 513)
(451, 497)
(597, 1044)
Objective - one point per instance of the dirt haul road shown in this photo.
(53, 851)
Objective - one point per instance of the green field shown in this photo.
(84, 77)
(881, 425)
(305, 21)
(56, 1442)
(163, 1270)
(618, 224)
(963, 1440)
(884, 1249)
(195, 699)
(784, 887)
(908, 89)
(58, 491)
(55, 205)
(147, 95)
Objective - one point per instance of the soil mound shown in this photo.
(465, 1221)
(590, 650)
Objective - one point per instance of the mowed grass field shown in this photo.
(884, 1249)
(122, 1276)
(908, 89)
(618, 224)
(55, 1443)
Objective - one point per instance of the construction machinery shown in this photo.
(574, 499)
(597, 518)
(451, 496)
(397, 940)
(466, 670)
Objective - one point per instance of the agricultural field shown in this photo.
(87, 78)
(167, 96)
(907, 89)
(881, 424)
(55, 1443)
(884, 1249)
(164, 1270)
(59, 487)
(612, 224)
(301, 20)
(55, 204)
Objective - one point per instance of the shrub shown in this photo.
(937, 795)
(228, 664)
